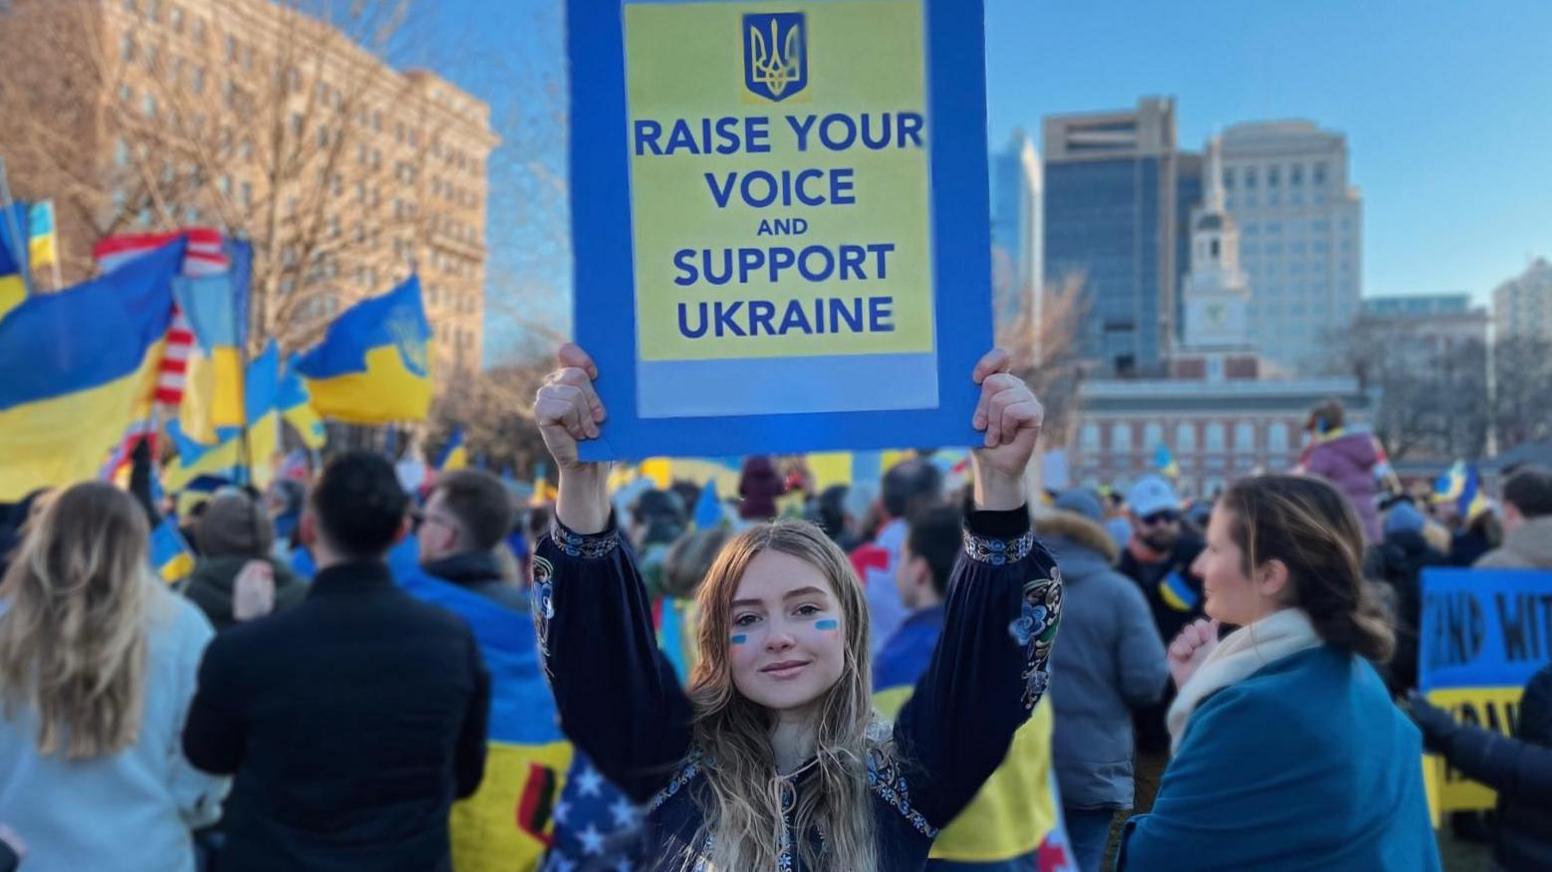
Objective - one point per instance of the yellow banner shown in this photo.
(1496, 708)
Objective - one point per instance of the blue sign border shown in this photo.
(604, 303)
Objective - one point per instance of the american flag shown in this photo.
(597, 828)
(205, 256)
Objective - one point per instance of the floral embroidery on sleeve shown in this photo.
(1035, 629)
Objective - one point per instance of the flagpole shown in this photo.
(16, 232)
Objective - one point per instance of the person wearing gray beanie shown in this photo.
(233, 533)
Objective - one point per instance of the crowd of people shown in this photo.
(835, 679)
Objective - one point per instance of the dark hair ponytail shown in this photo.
(1311, 528)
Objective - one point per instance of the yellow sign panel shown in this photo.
(1495, 708)
(780, 191)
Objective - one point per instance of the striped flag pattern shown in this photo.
(204, 257)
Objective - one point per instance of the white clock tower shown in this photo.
(1216, 294)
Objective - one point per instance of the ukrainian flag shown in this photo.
(507, 824)
(13, 259)
(1164, 461)
(230, 457)
(1178, 593)
(170, 555)
(214, 306)
(42, 242)
(455, 455)
(76, 365)
(373, 366)
(1016, 812)
(297, 409)
(1462, 485)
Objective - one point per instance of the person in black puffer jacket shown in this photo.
(1519, 768)
(1399, 562)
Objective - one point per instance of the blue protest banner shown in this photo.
(1484, 627)
(1483, 633)
(780, 222)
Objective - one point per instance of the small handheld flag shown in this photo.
(170, 555)
(455, 455)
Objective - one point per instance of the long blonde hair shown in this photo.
(72, 635)
(741, 792)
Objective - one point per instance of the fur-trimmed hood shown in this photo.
(1062, 531)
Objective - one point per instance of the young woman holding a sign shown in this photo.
(1288, 752)
(774, 759)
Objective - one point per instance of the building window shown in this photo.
(1185, 437)
(1250, 177)
(1088, 438)
(1318, 173)
(1120, 438)
(1277, 438)
(127, 48)
(1296, 175)
(1245, 437)
(199, 30)
(247, 194)
(199, 80)
(148, 106)
(1273, 175)
(231, 49)
(120, 153)
(1214, 437)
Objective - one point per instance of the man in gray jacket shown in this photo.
(1111, 660)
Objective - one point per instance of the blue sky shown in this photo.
(1447, 107)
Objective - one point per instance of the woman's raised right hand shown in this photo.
(566, 408)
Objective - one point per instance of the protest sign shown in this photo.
(1484, 633)
(780, 222)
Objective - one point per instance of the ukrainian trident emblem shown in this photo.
(775, 54)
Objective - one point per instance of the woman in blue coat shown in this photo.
(1288, 752)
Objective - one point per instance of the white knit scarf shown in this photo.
(1246, 650)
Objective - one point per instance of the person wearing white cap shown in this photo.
(1158, 558)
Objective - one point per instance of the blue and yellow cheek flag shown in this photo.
(228, 458)
(74, 365)
(214, 306)
(170, 555)
(297, 409)
(455, 455)
(507, 823)
(374, 364)
(13, 258)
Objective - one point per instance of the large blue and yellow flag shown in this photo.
(171, 557)
(455, 455)
(13, 258)
(249, 461)
(374, 364)
(506, 824)
(74, 367)
(1017, 811)
(297, 409)
(214, 305)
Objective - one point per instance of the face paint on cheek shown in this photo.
(827, 624)
(739, 639)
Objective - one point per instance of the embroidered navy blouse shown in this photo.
(621, 703)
